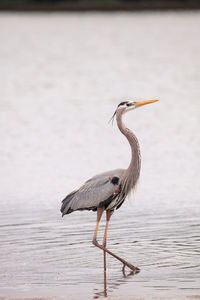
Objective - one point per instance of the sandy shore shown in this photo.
(191, 297)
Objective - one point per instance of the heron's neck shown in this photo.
(131, 174)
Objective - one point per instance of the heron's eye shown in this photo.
(130, 104)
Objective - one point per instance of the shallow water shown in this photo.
(62, 76)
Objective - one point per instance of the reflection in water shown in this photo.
(114, 285)
(105, 269)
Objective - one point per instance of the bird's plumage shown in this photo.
(96, 192)
(101, 190)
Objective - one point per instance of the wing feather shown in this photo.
(94, 191)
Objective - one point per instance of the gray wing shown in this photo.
(94, 193)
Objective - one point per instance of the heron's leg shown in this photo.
(124, 262)
(100, 211)
(108, 216)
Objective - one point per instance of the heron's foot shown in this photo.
(134, 270)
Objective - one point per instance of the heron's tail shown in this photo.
(65, 207)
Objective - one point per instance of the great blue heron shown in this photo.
(107, 191)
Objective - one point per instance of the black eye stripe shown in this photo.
(122, 103)
(127, 103)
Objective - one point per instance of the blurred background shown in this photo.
(62, 75)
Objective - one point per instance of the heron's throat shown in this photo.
(131, 174)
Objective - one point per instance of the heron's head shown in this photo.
(125, 106)
(129, 105)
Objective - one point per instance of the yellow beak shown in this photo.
(140, 103)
